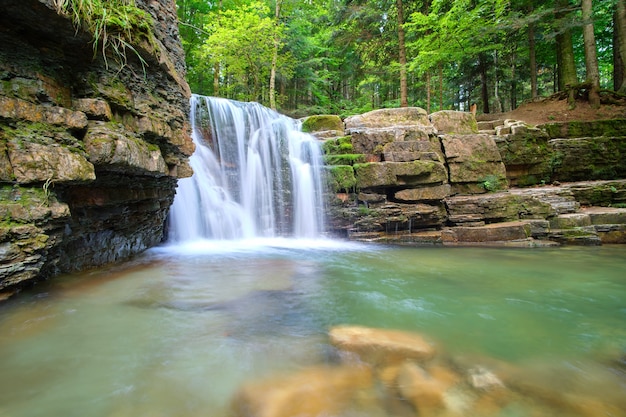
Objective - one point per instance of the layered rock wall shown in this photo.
(91, 142)
(400, 175)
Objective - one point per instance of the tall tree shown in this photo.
(620, 32)
(272, 88)
(591, 57)
(402, 55)
(532, 57)
(565, 51)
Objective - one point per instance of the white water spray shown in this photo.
(255, 175)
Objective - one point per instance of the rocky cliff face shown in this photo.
(402, 176)
(91, 145)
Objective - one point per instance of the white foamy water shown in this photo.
(256, 175)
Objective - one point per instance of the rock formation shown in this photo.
(385, 372)
(402, 176)
(91, 141)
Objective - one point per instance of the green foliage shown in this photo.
(493, 183)
(114, 24)
(341, 56)
(251, 32)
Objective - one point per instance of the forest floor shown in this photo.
(550, 110)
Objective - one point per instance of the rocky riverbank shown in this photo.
(91, 141)
(403, 176)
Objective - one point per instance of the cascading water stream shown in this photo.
(255, 175)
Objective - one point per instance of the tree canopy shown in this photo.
(351, 56)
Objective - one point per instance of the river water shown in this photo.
(176, 331)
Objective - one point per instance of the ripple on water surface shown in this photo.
(178, 330)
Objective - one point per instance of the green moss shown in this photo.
(345, 159)
(321, 123)
(341, 178)
(338, 146)
(580, 129)
(21, 133)
(27, 197)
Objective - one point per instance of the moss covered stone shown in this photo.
(341, 178)
(582, 129)
(322, 122)
(389, 174)
(338, 146)
(346, 159)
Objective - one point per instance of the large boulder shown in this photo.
(384, 118)
(474, 162)
(451, 121)
(393, 174)
(381, 346)
(323, 125)
(316, 391)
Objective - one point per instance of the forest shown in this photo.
(344, 57)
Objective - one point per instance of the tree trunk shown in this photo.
(496, 93)
(216, 66)
(272, 92)
(484, 88)
(428, 92)
(533, 60)
(565, 58)
(514, 81)
(591, 56)
(440, 86)
(402, 56)
(620, 29)
(216, 79)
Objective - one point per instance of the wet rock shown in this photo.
(381, 346)
(424, 392)
(481, 378)
(308, 393)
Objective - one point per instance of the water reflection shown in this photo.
(180, 331)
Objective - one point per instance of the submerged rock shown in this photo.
(381, 346)
(317, 391)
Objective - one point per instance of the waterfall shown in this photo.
(255, 175)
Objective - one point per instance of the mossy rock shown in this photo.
(345, 159)
(338, 146)
(322, 122)
(341, 177)
(391, 174)
(582, 129)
